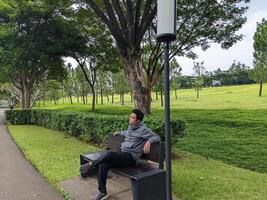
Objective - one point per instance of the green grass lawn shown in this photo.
(56, 156)
(244, 146)
(229, 97)
(226, 123)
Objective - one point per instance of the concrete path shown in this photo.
(19, 180)
(118, 187)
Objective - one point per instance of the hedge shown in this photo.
(90, 127)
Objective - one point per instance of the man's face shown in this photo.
(132, 119)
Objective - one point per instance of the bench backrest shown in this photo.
(156, 150)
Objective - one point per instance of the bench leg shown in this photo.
(149, 185)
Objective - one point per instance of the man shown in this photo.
(138, 139)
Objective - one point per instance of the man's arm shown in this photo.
(151, 137)
(124, 133)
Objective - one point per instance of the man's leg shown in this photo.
(111, 160)
(102, 176)
(114, 157)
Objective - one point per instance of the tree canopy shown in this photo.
(199, 23)
(259, 73)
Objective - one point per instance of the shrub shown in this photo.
(90, 127)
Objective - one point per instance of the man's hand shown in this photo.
(147, 147)
(116, 133)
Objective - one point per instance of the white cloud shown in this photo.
(216, 57)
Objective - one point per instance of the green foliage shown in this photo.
(259, 73)
(260, 44)
(121, 83)
(90, 127)
(18, 117)
(33, 40)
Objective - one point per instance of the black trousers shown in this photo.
(111, 159)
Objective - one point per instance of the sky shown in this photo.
(242, 51)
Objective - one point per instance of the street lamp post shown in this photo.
(166, 32)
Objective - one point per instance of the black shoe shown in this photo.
(86, 167)
(101, 196)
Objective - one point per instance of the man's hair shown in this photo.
(139, 114)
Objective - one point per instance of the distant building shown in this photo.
(216, 83)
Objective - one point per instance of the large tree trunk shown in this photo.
(260, 91)
(135, 73)
(26, 96)
(197, 93)
(175, 94)
(157, 97)
(112, 99)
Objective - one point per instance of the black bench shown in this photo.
(148, 179)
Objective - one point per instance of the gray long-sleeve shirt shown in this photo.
(135, 138)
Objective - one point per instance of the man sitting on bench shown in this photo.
(137, 141)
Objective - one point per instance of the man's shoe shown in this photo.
(86, 167)
(101, 196)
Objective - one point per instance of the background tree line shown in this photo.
(103, 37)
(237, 74)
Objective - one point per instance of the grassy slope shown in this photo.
(230, 97)
(226, 123)
(57, 158)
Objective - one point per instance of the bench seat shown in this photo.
(148, 179)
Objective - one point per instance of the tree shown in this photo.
(99, 52)
(81, 84)
(259, 73)
(121, 85)
(53, 91)
(33, 41)
(238, 73)
(199, 69)
(175, 75)
(69, 83)
(103, 85)
(199, 23)
(158, 87)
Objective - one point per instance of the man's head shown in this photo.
(136, 116)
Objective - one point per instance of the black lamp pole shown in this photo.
(166, 32)
(167, 122)
(166, 39)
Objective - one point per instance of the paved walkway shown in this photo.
(19, 180)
